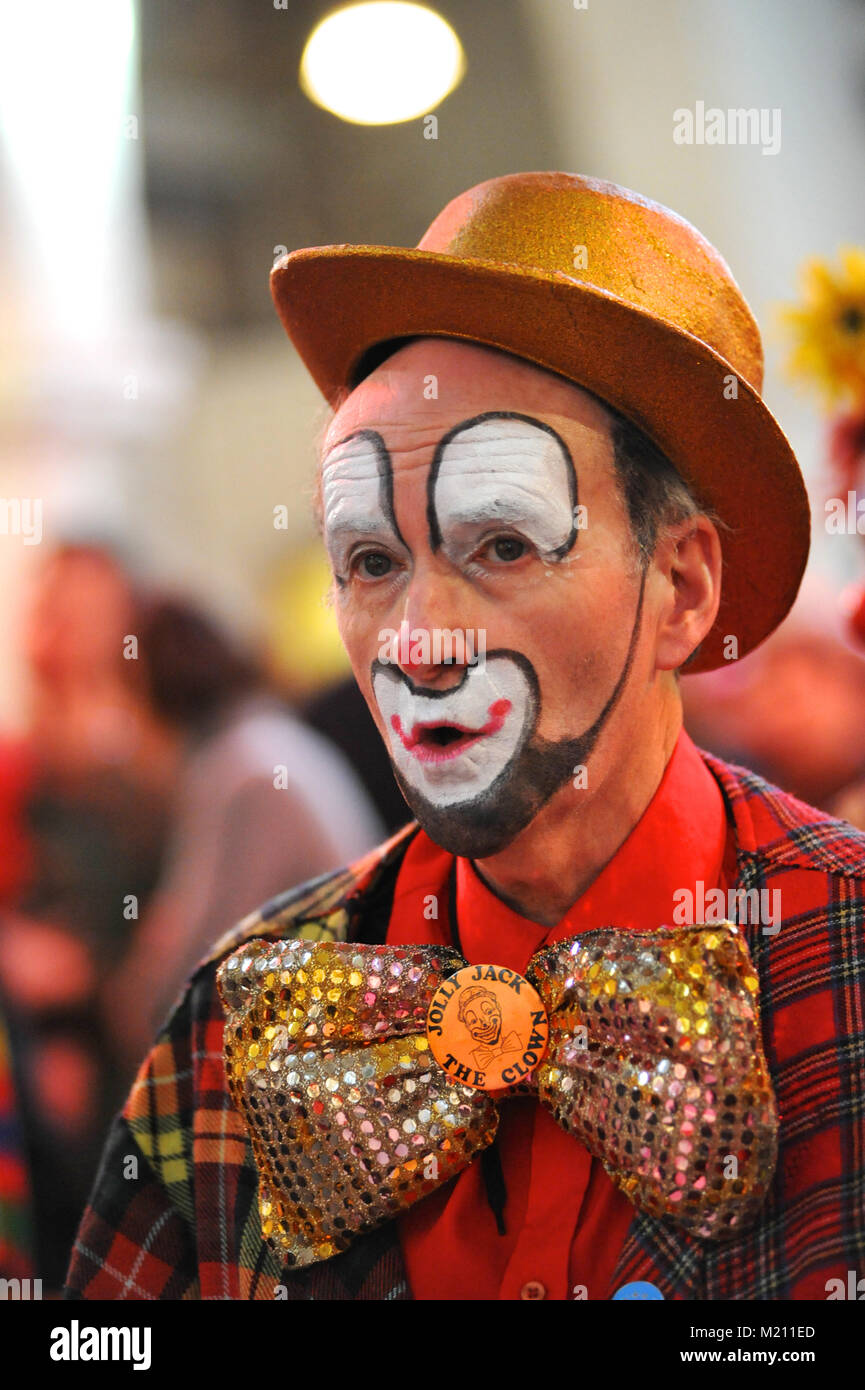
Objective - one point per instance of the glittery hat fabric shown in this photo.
(655, 1063)
(620, 295)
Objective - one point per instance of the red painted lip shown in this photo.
(427, 752)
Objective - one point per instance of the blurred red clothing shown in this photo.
(16, 853)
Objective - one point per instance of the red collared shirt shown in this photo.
(565, 1220)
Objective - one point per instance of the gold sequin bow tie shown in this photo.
(654, 1063)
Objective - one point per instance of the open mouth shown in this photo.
(439, 742)
(487, 1036)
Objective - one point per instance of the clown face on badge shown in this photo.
(461, 514)
(480, 1012)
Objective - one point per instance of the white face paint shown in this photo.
(452, 747)
(465, 757)
(469, 760)
(357, 501)
(509, 472)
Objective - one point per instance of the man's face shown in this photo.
(465, 491)
(483, 1019)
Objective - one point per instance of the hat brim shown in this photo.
(336, 302)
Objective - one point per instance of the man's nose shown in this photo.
(435, 644)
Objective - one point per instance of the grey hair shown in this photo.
(655, 494)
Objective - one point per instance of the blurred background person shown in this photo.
(83, 816)
(261, 803)
(159, 789)
(342, 715)
(793, 711)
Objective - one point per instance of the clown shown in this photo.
(578, 470)
(481, 1013)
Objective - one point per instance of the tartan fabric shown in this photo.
(15, 1230)
(174, 1209)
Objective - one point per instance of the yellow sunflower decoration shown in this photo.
(828, 328)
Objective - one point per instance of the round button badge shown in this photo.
(640, 1291)
(487, 1027)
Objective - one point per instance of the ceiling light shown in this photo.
(381, 62)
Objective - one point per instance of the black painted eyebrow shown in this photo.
(435, 534)
(384, 468)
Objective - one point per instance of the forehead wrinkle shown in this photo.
(498, 509)
(364, 434)
(499, 445)
(400, 437)
(487, 447)
(348, 479)
(352, 495)
(359, 524)
(480, 449)
(369, 446)
(369, 449)
(345, 482)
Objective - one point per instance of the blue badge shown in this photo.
(639, 1290)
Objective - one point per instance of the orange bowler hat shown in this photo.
(621, 296)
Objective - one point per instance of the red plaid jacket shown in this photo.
(174, 1211)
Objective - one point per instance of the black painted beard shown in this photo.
(492, 820)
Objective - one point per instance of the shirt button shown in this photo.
(533, 1289)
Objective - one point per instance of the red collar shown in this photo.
(681, 838)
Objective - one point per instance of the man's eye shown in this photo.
(374, 564)
(508, 548)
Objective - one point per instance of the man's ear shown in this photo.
(688, 556)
